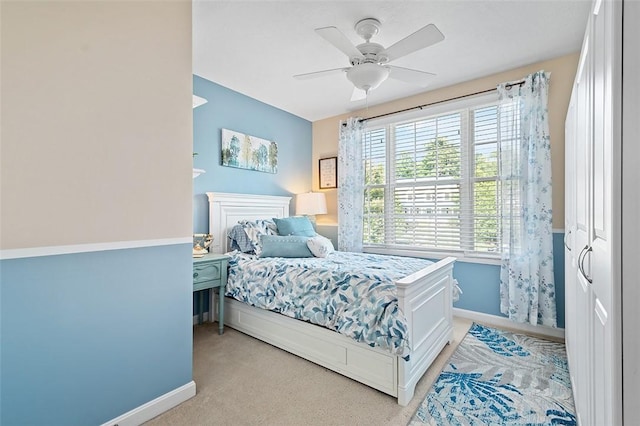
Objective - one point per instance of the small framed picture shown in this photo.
(328, 172)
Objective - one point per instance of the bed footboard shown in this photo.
(425, 297)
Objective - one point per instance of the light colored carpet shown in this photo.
(243, 381)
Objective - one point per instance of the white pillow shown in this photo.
(320, 246)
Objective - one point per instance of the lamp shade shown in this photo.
(311, 203)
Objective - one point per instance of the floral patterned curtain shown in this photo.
(527, 290)
(350, 186)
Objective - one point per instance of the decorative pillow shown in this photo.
(240, 240)
(320, 246)
(298, 225)
(253, 230)
(285, 246)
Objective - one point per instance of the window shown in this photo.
(431, 182)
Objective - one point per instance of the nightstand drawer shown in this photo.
(207, 284)
(206, 272)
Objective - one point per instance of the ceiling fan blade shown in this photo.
(315, 74)
(420, 78)
(340, 41)
(358, 95)
(424, 37)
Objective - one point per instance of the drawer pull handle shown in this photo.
(195, 275)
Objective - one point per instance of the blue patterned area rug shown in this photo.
(497, 377)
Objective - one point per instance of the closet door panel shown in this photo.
(601, 375)
(582, 150)
(584, 379)
(598, 264)
(569, 237)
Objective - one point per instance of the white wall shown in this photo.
(96, 122)
(96, 125)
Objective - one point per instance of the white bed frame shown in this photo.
(424, 297)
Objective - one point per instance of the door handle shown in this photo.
(566, 236)
(581, 257)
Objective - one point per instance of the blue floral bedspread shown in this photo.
(351, 293)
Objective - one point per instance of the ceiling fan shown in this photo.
(369, 61)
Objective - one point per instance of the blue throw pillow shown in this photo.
(298, 225)
(284, 246)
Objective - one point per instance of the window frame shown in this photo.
(467, 178)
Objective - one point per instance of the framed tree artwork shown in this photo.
(249, 152)
(328, 172)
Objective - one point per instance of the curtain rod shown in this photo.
(517, 83)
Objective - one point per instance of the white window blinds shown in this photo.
(431, 183)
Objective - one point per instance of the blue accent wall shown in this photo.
(87, 337)
(480, 283)
(234, 111)
(558, 274)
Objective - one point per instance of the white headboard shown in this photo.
(226, 209)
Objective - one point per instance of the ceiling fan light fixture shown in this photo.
(369, 60)
(367, 76)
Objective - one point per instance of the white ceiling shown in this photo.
(255, 47)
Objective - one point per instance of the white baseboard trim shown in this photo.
(154, 408)
(506, 322)
(205, 318)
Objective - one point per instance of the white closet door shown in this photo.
(597, 263)
(592, 281)
(570, 267)
(582, 325)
